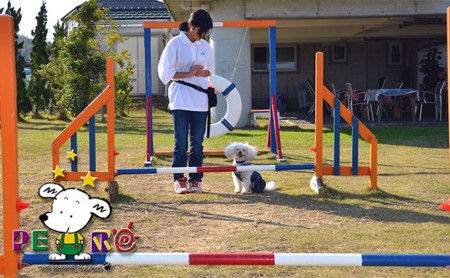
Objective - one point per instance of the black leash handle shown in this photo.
(198, 88)
(208, 126)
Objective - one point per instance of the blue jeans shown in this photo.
(190, 123)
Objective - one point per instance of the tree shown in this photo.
(122, 82)
(124, 69)
(430, 66)
(86, 64)
(60, 33)
(38, 89)
(23, 100)
(54, 71)
(77, 63)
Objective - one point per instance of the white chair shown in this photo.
(333, 90)
(434, 97)
(339, 94)
(311, 91)
(359, 98)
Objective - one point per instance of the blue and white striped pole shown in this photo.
(278, 259)
(204, 169)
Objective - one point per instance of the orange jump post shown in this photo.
(319, 115)
(448, 68)
(323, 94)
(9, 261)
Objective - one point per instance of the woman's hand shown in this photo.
(200, 71)
(195, 69)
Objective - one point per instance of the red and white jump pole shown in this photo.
(204, 169)
(275, 259)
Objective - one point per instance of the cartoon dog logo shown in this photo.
(72, 210)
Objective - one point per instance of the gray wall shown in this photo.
(366, 63)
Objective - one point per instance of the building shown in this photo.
(363, 40)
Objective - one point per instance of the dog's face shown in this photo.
(72, 209)
(240, 152)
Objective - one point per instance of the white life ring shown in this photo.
(234, 106)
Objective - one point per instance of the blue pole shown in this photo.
(337, 136)
(422, 260)
(92, 155)
(148, 93)
(73, 146)
(291, 167)
(355, 137)
(273, 82)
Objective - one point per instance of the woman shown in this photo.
(189, 58)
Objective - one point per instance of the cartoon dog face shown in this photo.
(72, 208)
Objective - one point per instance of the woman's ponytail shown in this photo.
(184, 26)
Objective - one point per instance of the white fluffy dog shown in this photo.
(246, 181)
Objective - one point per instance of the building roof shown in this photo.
(132, 9)
(135, 9)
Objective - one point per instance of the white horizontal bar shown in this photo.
(148, 258)
(171, 170)
(323, 259)
(256, 168)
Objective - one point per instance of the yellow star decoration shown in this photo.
(71, 155)
(88, 179)
(58, 172)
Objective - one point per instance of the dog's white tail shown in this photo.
(270, 186)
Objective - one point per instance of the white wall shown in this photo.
(135, 45)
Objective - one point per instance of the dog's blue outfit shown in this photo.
(256, 179)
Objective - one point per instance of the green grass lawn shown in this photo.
(402, 216)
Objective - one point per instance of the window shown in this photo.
(395, 54)
(339, 53)
(286, 58)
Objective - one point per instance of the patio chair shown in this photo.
(333, 90)
(381, 82)
(311, 91)
(390, 102)
(434, 97)
(359, 98)
(393, 102)
(340, 94)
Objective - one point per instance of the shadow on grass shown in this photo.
(176, 211)
(381, 206)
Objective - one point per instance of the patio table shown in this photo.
(375, 95)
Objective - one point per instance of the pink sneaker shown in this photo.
(195, 186)
(180, 186)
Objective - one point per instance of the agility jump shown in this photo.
(227, 123)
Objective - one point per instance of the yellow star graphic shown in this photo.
(88, 179)
(58, 172)
(71, 155)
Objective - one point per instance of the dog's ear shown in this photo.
(229, 150)
(100, 207)
(50, 190)
(252, 152)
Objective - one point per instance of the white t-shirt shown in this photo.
(180, 55)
